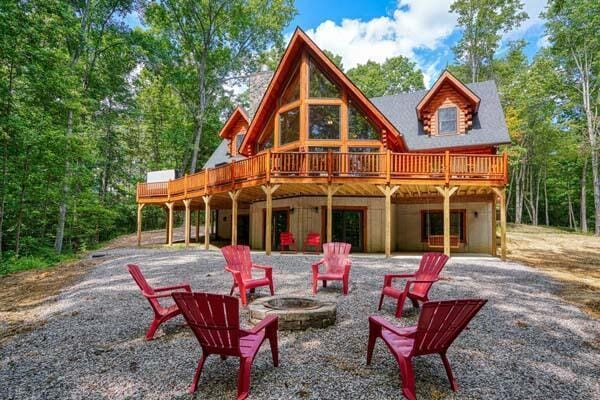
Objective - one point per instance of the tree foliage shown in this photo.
(395, 75)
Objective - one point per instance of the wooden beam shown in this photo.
(170, 223)
(330, 190)
(188, 222)
(501, 193)
(269, 190)
(494, 227)
(167, 225)
(198, 226)
(388, 191)
(206, 199)
(234, 194)
(139, 223)
(447, 192)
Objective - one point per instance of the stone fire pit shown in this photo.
(294, 312)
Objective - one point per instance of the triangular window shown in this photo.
(292, 91)
(359, 127)
(320, 86)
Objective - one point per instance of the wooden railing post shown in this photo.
(185, 185)
(447, 167)
(329, 166)
(233, 174)
(388, 165)
(169, 190)
(505, 166)
(268, 165)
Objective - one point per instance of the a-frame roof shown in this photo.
(447, 77)
(237, 121)
(298, 43)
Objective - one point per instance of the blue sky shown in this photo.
(422, 30)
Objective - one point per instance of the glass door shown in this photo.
(279, 223)
(348, 228)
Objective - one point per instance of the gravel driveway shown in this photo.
(526, 343)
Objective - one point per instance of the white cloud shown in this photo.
(414, 24)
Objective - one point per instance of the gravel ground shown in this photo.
(526, 343)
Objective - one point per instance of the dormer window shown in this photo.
(447, 118)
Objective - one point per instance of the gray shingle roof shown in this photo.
(220, 156)
(489, 126)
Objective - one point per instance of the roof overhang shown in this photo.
(237, 121)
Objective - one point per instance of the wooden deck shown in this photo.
(327, 168)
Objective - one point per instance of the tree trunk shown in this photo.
(200, 114)
(583, 203)
(62, 208)
(519, 192)
(20, 207)
(570, 211)
(546, 197)
(5, 157)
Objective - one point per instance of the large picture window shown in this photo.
(359, 127)
(289, 126)
(324, 122)
(447, 120)
(320, 86)
(292, 91)
(432, 223)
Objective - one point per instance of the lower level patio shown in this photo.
(525, 343)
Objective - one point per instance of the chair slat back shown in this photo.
(429, 268)
(440, 322)
(238, 259)
(335, 255)
(286, 238)
(313, 239)
(144, 286)
(213, 318)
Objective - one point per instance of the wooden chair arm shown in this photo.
(409, 331)
(268, 269)
(156, 296)
(265, 323)
(387, 278)
(237, 276)
(411, 281)
(185, 286)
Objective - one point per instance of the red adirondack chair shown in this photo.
(286, 239)
(439, 324)
(312, 240)
(161, 314)
(337, 266)
(417, 285)
(239, 263)
(215, 321)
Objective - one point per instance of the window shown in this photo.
(238, 142)
(323, 122)
(432, 223)
(320, 85)
(292, 92)
(289, 126)
(323, 149)
(363, 149)
(447, 120)
(359, 127)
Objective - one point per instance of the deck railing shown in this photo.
(332, 166)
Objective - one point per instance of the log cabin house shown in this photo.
(409, 172)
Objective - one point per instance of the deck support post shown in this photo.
(388, 191)
(140, 206)
(170, 206)
(234, 194)
(198, 226)
(501, 193)
(188, 222)
(330, 190)
(206, 199)
(494, 226)
(447, 192)
(269, 190)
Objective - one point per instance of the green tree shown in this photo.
(210, 43)
(335, 58)
(395, 75)
(482, 22)
(572, 28)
